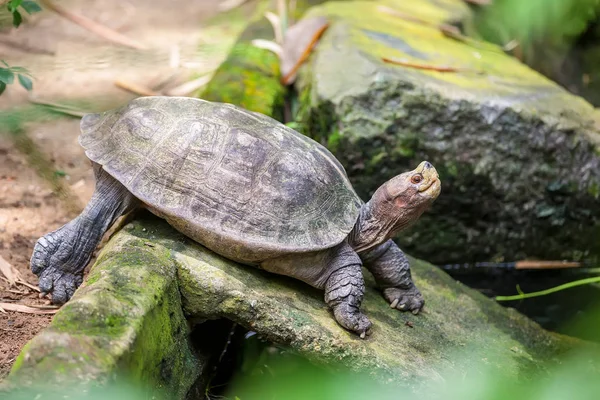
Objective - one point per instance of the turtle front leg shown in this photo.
(344, 290)
(391, 270)
(60, 257)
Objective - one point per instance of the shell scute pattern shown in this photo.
(224, 173)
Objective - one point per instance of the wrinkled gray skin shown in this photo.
(248, 188)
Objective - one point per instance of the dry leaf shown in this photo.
(9, 272)
(298, 43)
(27, 309)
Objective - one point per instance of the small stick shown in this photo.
(276, 24)
(268, 45)
(61, 108)
(21, 282)
(429, 67)
(532, 264)
(30, 286)
(189, 87)
(26, 309)
(135, 88)
(93, 26)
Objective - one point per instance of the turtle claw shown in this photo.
(61, 285)
(352, 319)
(404, 299)
(60, 271)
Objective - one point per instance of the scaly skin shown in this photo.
(345, 289)
(391, 270)
(60, 257)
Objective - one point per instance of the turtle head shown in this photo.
(412, 190)
(397, 204)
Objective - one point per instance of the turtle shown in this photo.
(248, 188)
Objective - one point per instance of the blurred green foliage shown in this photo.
(15, 7)
(574, 379)
(538, 26)
(531, 21)
(8, 74)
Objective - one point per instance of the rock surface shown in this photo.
(126, 321)
(460, 329)
(519, 157)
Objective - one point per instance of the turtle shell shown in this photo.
(239, 182)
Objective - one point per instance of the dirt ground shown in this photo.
(81, 66)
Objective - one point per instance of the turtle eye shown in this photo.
(416, 178)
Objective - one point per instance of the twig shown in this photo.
(93, 26)
(568, 285)
(189, 87)
(20, 281)
(428, 67)
(61, 108)
(527, 264)
(135, 88)
(26, 309)
(30, 286)
(268, 45)
(276, 24)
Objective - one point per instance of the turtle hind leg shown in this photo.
(60, 257)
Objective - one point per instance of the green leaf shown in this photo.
(17, 19)
(6, 76)
(13, 5)
(31, 6)
(2, 87)
(25, 82)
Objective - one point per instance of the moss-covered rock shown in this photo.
(126, 322)
(250, 75)
(519, 157)
(460, 329)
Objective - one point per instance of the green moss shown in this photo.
(248, 78)
(291, 313)
(126, 320)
